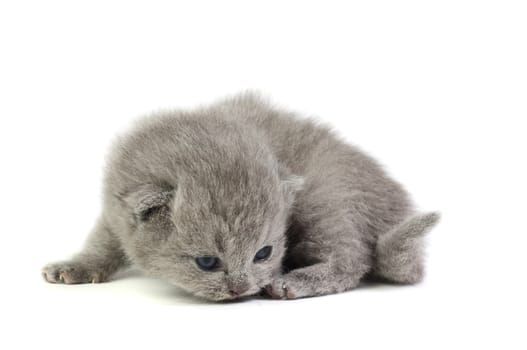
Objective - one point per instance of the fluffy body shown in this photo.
(228, 179)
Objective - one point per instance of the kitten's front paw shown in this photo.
(70, 272)
(280, 289)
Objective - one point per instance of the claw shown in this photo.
(283, 293)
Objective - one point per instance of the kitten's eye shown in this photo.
(263, 253)
(207, 263)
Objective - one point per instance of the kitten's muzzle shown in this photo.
(238, 289)
(238, 285)
(235, 292)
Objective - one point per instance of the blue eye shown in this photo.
(207, 263)
(263, 253)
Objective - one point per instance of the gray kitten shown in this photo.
(236, 198)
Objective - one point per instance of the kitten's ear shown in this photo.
(145, 199)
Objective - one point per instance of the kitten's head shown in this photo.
(220, 236)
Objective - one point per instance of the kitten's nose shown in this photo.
(238, 284)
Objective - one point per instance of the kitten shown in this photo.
(236, 198)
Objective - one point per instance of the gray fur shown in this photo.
(226, 180)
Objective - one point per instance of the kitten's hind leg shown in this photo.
(101, 257)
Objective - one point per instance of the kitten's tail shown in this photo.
(399, 253)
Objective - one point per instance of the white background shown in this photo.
(435, 90)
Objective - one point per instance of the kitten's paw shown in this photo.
(71, 273)
(280, 289)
